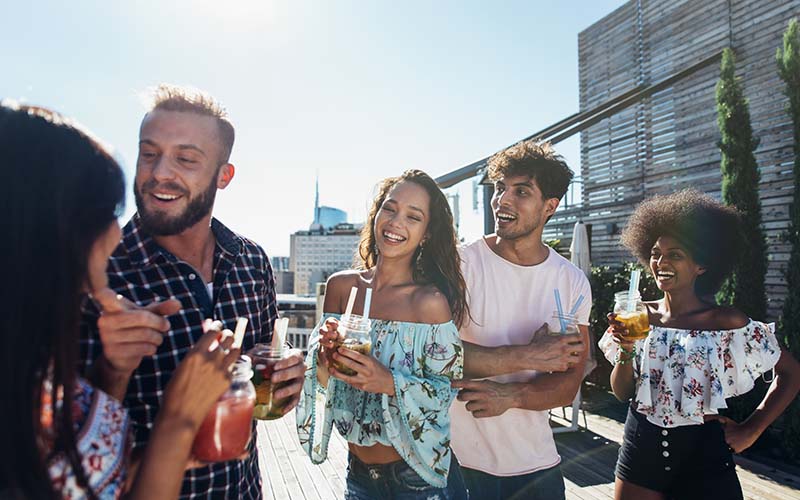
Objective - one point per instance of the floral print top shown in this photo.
(423, 359)
(682, 375)
(103, 442)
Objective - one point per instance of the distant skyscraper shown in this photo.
(328, 246)
(325, 217)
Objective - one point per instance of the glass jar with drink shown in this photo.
(227, 429)
(632, 313)
(264, 359)
(354, 335)
(563, 324)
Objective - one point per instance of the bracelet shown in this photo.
(619, 360)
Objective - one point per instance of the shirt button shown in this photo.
(664, 433)
(192, 276)
(666, 454)
(667, 468)
(664, 443)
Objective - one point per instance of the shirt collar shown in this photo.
(142, 249)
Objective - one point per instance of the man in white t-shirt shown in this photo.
(500, 430)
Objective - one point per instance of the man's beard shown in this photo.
(158, 223)
(518, 232)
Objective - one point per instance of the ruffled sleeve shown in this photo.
(746, 354)
(315, 400)
(686, 374)
(417, 418)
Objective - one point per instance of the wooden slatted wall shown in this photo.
(669, 140)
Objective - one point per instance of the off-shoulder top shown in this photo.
(423, 359)
(682, 375)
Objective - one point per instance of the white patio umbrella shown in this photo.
(579, 255)
(579, 248)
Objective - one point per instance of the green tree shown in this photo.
(744, 289)
(740, 177)
(788, 60)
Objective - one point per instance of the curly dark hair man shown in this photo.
(709, 229)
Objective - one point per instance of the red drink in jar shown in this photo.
(227, 429)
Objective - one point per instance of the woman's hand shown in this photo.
(738, 436)
(619, 334)
(199, 381)
(329, 332)
(371, 375)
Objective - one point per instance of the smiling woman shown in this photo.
(697, 354)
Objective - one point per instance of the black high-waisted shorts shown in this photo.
(686, 462)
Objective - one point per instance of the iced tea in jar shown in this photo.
(632, 314)
(264, 359)
(227, 429)
(354, 334)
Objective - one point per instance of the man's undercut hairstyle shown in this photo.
(536, 160)
(170, 97)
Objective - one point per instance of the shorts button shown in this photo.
(667, 468)
(192, 276)
(664, 443)
(666, 454)
(664, 433)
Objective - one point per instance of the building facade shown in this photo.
(318, 253)
(668, 140)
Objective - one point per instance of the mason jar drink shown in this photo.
(226, 430)
(264, 359)
(637, 321)
(354, 335)
(570, 326)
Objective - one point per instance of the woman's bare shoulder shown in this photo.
(431, 305)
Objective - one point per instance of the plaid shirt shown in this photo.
(243, 286)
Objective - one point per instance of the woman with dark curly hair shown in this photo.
(392, 407)
(697, 354)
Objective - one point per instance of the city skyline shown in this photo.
(356, 91)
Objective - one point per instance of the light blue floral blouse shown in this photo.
(423, 358)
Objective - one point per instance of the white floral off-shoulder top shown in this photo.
(423, 359)
(682, 375)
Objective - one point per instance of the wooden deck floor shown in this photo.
(588, 458)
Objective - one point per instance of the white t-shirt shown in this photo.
(508, 303)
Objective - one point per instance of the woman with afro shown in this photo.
(697, 355)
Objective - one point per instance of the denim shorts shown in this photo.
(398, 481)
(691, 461)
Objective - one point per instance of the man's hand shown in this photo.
(486, 398)
(291, 368)
(553, 353)
(128, 333)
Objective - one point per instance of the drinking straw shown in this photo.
(561, 318)
(350, 302)
(578, 303)
(279, 335)
(633, 289)
(238, 333)
(367, 302)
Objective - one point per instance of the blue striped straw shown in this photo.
(561, 318)
(578, 303)
(632, 289)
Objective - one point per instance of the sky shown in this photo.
(349, 91)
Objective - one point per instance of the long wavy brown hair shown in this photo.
(440, 263)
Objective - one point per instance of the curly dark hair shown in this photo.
(537, 160)
(709, 230)
(440, 263)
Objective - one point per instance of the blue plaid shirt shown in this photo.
(243, 286)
